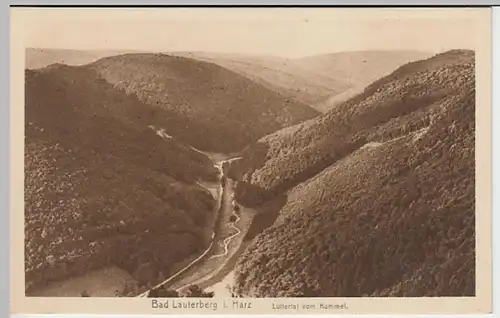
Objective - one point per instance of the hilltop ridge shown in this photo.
(210, 103)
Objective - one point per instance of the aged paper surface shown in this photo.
(251, 161)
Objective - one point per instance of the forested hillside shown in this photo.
(209, 107)
(379, 192)
(101, 188)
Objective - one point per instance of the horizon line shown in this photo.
(153, 51)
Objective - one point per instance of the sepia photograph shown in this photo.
(247, 155)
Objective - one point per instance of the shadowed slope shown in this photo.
(100, 187)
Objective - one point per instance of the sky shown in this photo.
(279, 32)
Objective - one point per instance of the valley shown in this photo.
(229, 224)
(167, 171)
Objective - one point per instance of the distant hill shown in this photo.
(321, 81)
(101, 188)
(378, 193)
(41, 57)
(278, 74)
(208, 106)
(356, 69)
(359, 66)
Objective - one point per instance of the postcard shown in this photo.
(251, 160)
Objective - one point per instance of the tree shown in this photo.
(153, 293)
(196, 291)
(231, 291)
(162, 292)
(127, 291)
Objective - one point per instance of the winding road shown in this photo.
(227, 240)
(224, 203)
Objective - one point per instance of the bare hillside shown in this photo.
(321, 81)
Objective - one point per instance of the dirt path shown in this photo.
(228, 240)
(224, 207)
